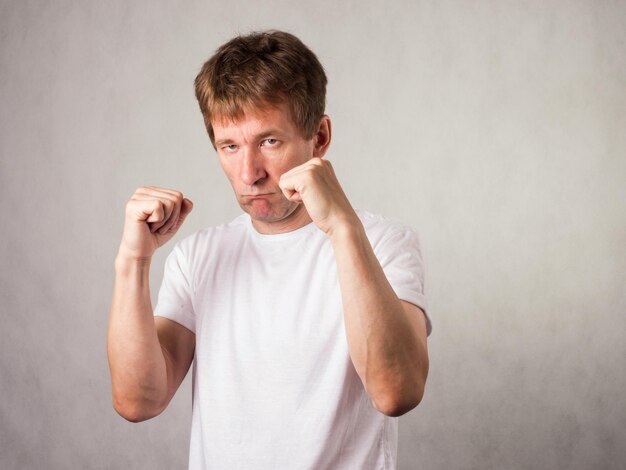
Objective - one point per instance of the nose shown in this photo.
(252, 167)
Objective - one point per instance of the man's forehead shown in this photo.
(239, 111)
(254, 119)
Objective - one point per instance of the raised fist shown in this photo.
(153, 216)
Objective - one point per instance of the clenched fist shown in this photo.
(315, 185)
(153, 216)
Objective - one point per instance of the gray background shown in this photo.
(497, 128)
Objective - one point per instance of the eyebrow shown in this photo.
(261, 136)
(268, 133)
(219, 143)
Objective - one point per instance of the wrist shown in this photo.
(346, 229)
(125, 261)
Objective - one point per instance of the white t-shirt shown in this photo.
(273, 383)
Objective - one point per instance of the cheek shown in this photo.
(306, 152)
(276, 164)
(228, 169)
(294, 157)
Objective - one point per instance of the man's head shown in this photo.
(262, 97)
(259, 70)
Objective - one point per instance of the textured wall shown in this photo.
(497, 128)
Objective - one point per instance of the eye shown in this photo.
(270, 142)
(230, 148)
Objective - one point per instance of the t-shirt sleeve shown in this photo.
(174, 300)
(400, 256)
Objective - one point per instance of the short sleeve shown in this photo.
(400, 255)
(174, 300)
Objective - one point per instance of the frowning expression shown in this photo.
(254, 152)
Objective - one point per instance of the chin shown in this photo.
(270, 213)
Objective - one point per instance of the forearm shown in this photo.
(390, 358)
(136, 360)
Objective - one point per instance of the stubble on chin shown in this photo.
(268, 212)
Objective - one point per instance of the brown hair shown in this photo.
(260, 69)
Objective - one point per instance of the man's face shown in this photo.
(254, 152)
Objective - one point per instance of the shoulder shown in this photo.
(381, 230)
(376, 221)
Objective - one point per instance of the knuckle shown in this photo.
(169, 204)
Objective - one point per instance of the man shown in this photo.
(303, 318)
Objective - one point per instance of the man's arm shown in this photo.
(386, 336)
(148, 356)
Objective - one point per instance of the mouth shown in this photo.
(255, 196)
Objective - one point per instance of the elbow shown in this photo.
(395, 407)
(396, 404)
(135, 411)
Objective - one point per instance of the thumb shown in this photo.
(288, 189)
(185, 209)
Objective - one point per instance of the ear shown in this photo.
(321, 139)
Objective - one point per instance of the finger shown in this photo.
(295, 197)
(144, 211)
(154, 211)
(288, 193)
(288, 187)
(172, 218)
(185, 210)
(160, 216)
(158, 191)
(167, 197)
(305, 167)
(157, 215)
(148, 193)
(170, 201)
(307, 173)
